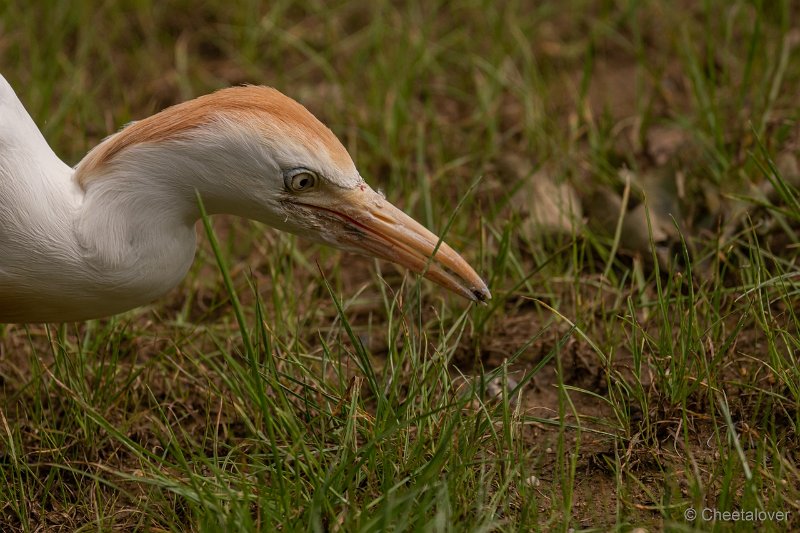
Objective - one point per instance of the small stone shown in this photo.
(533, 481)
(788, 167)
(547, 205)
(495, 388)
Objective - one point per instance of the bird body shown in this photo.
(117, 231)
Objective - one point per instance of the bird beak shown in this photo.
(370, 225)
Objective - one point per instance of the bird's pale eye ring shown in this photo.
(299, 180)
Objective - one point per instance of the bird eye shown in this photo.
(299, 180)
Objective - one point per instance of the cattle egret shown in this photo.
(117, 231)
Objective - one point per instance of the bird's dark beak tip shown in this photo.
(481, 295)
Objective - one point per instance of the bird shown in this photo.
(117, 230)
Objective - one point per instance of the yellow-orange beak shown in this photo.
(370, 225)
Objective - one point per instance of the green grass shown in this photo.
(285, 386)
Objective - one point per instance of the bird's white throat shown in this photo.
(70, 254)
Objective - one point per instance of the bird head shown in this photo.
(254, 152)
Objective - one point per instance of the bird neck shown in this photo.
(25, 155)
(36, 191)
(57, 240)
(144, 199)
(220, 161)
(141, 208)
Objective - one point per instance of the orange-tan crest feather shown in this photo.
(237, 103)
